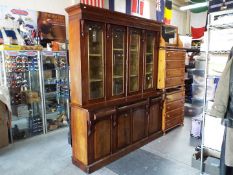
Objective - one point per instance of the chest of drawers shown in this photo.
(171, 68)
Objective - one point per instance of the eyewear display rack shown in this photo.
(38, 83)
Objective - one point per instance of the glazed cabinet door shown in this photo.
(116, 62)
(134, 61)
(150, 60)
(139, 121)
(155, 116)
(93, 61)
(100, 135)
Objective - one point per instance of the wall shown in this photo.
(179, 19)
(53, 6)
(58, 6)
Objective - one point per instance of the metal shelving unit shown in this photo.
(213, 25)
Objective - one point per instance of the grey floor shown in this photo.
(51, 155)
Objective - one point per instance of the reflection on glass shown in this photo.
(134, 51)
(95, 61)
(118, 61)
(150, 41)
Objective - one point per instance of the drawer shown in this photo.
(175, 96)
(174, 105)
(175, 113)
(170, 73)
(175, 64)
(172, 123)
(175, 55)
(177, 81)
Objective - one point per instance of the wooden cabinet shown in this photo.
(116, 105)
(111, 58)
(171, 68)
(103, 135)
(173, 109)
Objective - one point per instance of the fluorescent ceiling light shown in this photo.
(194, 6)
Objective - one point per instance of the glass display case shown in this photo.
(134, 60)
(38, 83)
(20, 70)
(118, 61)
(56, 89)
(149, 60)
(95, 61)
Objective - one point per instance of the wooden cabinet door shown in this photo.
(101, 134)
(93, 62)
(122, 130)
(150, 60)
(155, 116)
(139, 122)
(102, 138)
(116, 62)
(135, 60)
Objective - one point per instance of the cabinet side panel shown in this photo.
(161, 69)
(79, 134)
(75, 60)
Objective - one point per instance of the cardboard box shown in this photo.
(4, 139)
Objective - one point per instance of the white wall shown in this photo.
(58, 6)
(53, 6)
(179, 19)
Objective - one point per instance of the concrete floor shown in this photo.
(51, 155)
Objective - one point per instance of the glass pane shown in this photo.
(22, 74)
(149, 71)
(96, 63)
(134, 51)
(56, 86)
(118, 61)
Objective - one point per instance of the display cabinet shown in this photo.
(38, 83)
(55, 80)
(115, 104)
(21, 74)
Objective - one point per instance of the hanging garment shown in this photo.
(223, 108)
(224, 169)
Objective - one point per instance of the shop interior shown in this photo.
(116, 87)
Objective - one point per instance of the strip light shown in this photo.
(194, 6)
